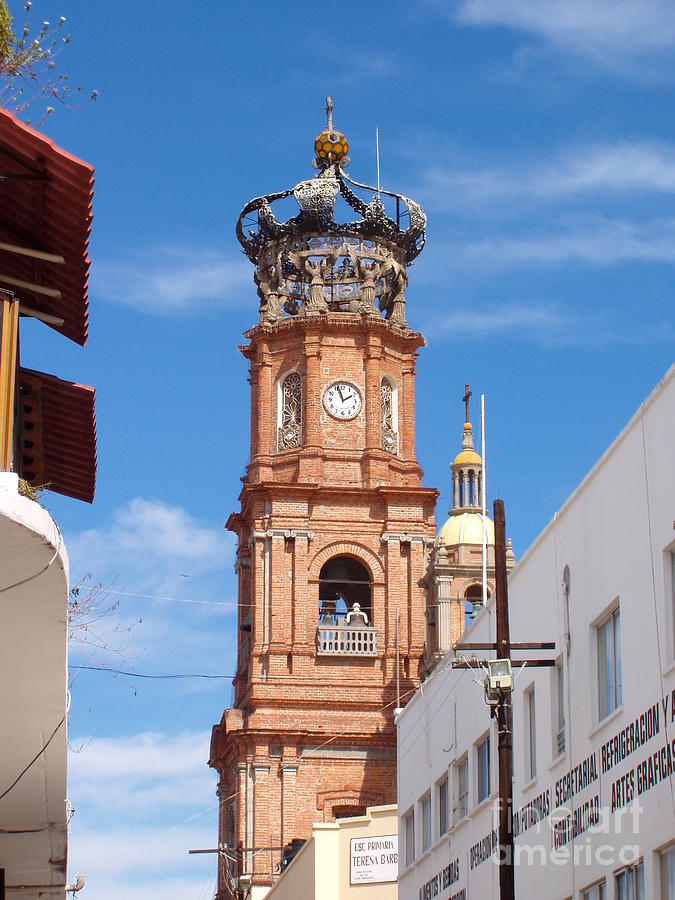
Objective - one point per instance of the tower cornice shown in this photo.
(320, 325)
(310, 490)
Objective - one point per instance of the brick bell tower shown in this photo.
(334, 528)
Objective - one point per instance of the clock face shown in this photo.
(342, 400)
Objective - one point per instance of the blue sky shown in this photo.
(539, 136)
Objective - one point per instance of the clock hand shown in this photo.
(340, 393)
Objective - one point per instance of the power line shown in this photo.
(223, 800)
(34, 760)
(16, 584)
(224, 605)
(146, 675)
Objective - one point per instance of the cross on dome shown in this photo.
(465, 398)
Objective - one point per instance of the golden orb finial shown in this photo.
(330, 145)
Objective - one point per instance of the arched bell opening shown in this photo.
(345, 592)
(473, 600)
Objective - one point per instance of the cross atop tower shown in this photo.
(329, 112)
(465, 398)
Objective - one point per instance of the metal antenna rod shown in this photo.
(377, 153)
(398, 683)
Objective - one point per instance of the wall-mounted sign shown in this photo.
(373, 860)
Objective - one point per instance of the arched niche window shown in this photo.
(289, 412)
(473, 600)
(472, 488)
(344, 582)
(229, 828)
(389, 416)
(566, 595)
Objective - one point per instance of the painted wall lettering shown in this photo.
(483, 849)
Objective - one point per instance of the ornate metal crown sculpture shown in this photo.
(311, 263)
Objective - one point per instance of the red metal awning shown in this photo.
(45, 208)
(58, 430)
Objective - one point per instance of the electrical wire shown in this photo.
(230, 797)
(43, 569)
(34, 760)
(116, 856)
(227, 799)
(439, 708)
(145, 675)
(226, 605)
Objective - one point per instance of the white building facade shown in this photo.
(593, 736)
(34, 811)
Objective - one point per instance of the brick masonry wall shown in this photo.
(314, 734)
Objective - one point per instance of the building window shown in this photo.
(289, 415)
(609, 664)
(596, 892)
(462, 775)
(442, 795)
(668, 874)
(630, 882)
(426, 822)
(483, 769)
(388, 416)
(531, 735)
(558, 708)
(409, 821)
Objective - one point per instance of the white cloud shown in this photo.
(148, 755)
(147, 536)
(153, 562)
(100, 853)
(601, 29)
(170, 280)
(524, 319)
(141, 803)
(372, 63)
(141, 771)
(157, 888)
(547, 323)
(623, 167)
(592, 240)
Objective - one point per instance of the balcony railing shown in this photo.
(346, 640)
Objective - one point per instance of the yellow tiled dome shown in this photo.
(467, 458)
(465, 528)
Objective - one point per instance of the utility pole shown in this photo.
(504, 713)
(498, 692)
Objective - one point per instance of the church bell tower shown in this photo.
(334, 527)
